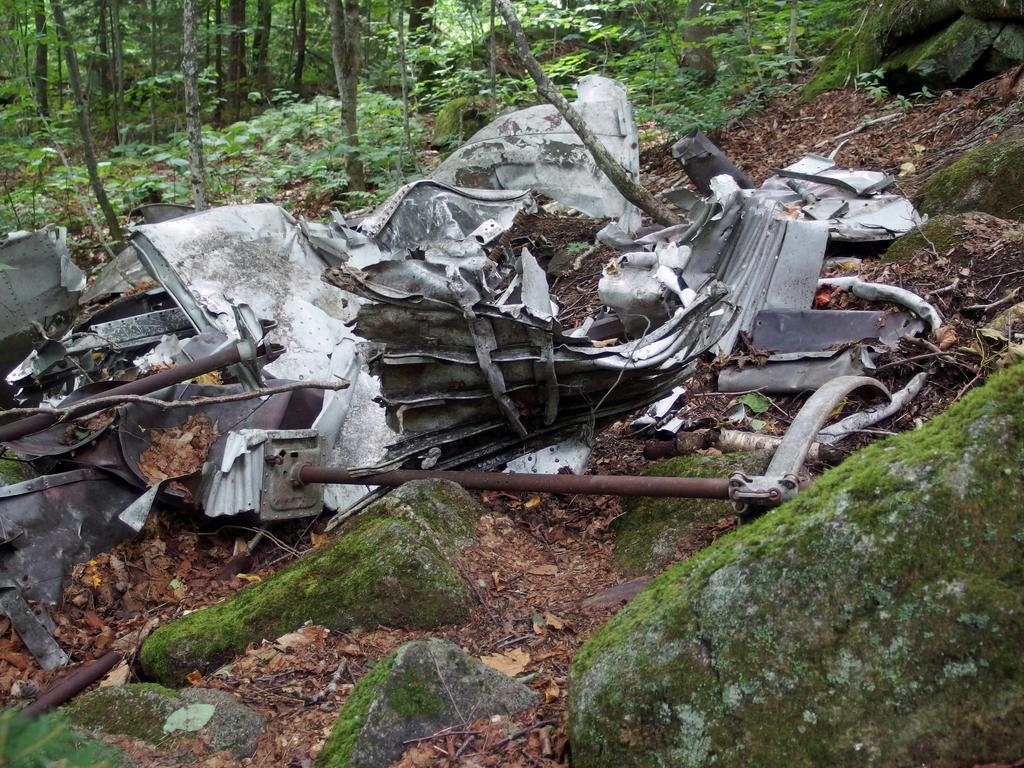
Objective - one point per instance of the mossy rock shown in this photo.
(425, 686)
(989, 178)
(141, 710)
(878, 33)
(916, 43)
(49, 741)
(459, 119)
(395, 565)
(993, 9)
(947, 57)
(941, 231)
(875, 620)
(650, 531)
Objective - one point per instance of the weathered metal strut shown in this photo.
(612, 485)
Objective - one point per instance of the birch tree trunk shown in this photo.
(618, 175)
(193, 116)
(84, 125)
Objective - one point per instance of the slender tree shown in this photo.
(41, 73)
(611, 168)
(82, 115)
(261, 45)
(193, 117)
(236, 54)
(118, 64)
(218, 22)
(345, 55)
(300, 49)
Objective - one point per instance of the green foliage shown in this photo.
(48, 742)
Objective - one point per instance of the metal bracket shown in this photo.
(31, 626)
(284, 453)
(781, 480)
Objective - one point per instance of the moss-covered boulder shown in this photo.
(988, 178)
(425, 686)
(946, 58)
(875, 620)
(651, 531)
(395, 565)
(162, 717)
(937, 43)
(993, 9)
(459, 119)
(50, 742)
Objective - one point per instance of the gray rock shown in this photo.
(140, 710)
(873, 621)
(234, 727)
(425, 686)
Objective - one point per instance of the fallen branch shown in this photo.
(63, 413)
(611, 168)
(862, 127)
(1009, 298)
(522, 731)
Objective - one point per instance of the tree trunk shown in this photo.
(218, 22)
(404, 78)
(261, 46)
(152, 71)
(118, 68)
(421, 33)
(193, 116)
(345, 55)
(236, 55)
(618, 175)
(696, 54)
(300, 49)
(84, 127)
(41, 76)
(106, 78)
(794, 26)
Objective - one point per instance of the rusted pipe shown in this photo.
(227, 356)
(597, 485)
(71, 685)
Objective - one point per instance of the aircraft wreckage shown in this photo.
(317, 362)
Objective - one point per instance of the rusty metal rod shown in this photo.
(71, 685)
(597, 485)
(144, 386)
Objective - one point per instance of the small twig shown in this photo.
(462, 748)
(949, 356)
(101, 403)
(443, 732)
(521, 732)
(331, 686)
(1007, 299)
(948, 289)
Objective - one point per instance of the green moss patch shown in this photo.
(941, 231)
(393, 566)
(988, 178)
(651, 531)
(873, 621)
(459, 119)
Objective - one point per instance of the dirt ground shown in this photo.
(542, 570)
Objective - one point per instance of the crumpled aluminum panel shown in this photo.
(536, 149)
(39, 289)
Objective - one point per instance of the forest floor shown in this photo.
(542, 569)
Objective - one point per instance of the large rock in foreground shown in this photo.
(395, 566)
(876, 620)
(988, 178)
(425, 686)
